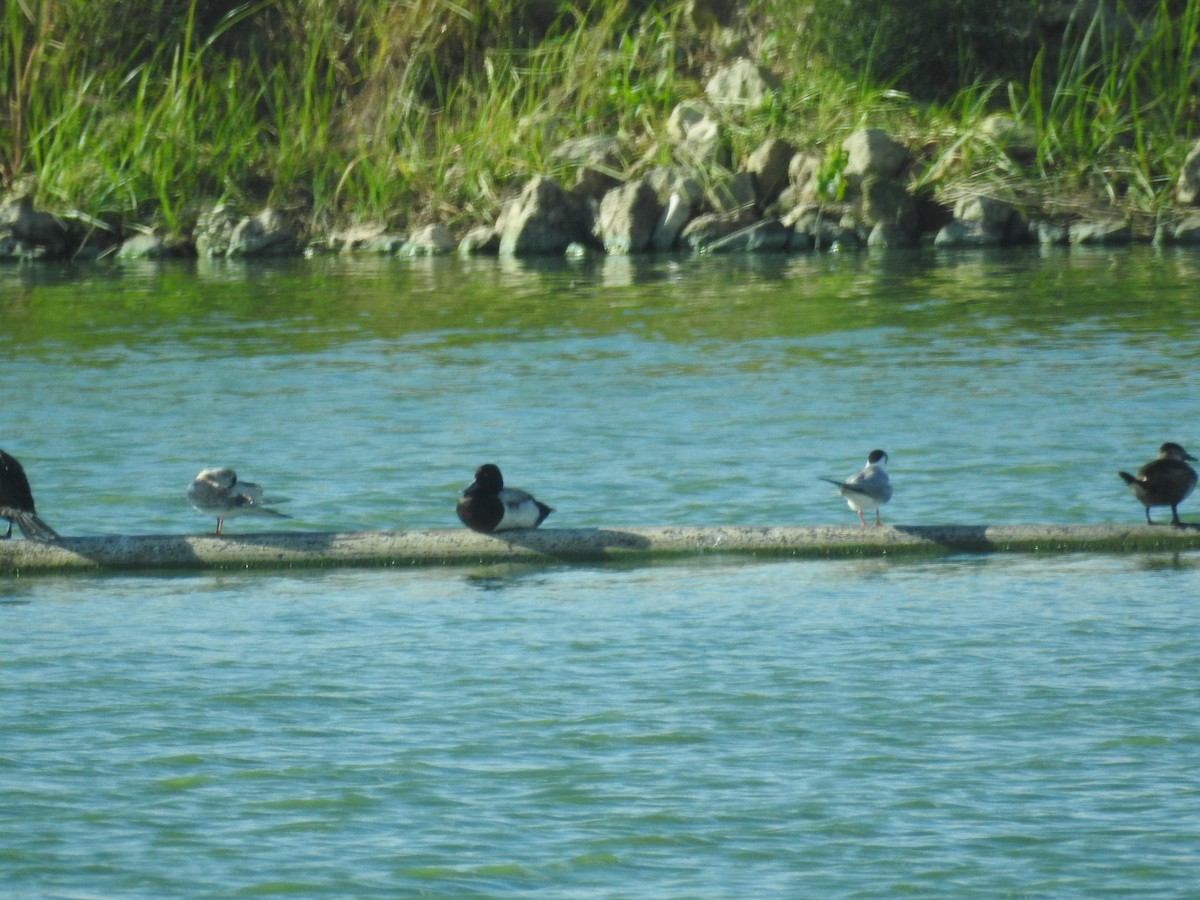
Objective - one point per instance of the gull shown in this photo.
(487, 505)
(867, 489)
(218, 492)
(16, 502)
(1165, 481)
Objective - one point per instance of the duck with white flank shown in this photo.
(16, 502)
(218, 492)
(869, 488)
(487, 505)
(1165, 481)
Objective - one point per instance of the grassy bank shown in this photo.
(434, 111)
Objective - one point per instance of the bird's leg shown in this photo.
(8, 533)
(220, 522)
(1175, 517)
(1149, 521)
(861, 519)
(877, 522)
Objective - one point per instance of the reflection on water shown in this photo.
(638, 391)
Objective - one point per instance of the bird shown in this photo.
(869, 488)
(218, 492)
(16, 502)
(487, 505)
(1165, 481)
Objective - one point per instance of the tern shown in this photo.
(867, 489)
(218, 492)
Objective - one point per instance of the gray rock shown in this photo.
(599, 161)
(992, 215)
(431, 240)
(1014, 138)
(869, 151)
(1048, 233)
(697, 135)
(815, 229)
(1101, 232)
(1186, 232)
(543, 219)
(373, 238)
(958, 234)
(765, 236)
(214, 229)
(267, 234)
(1187, 189)
(39, 233)
(675, 215)
(483, 240)
(731, 191)
(885, 201)
(14, 249)
(890, 234)
(681, 180)
(152, 246)
(627, 218)
(768, 166)
(742, 83)
(707, 229)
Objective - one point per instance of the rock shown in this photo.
(39, 233)
(599, 161)
(890, 234)
(1187, 189)
(814, 229)
(214, 229)
(767, 235)
(13, 249)
(742, 83)
(731, 191)
(707, 229)
(1101, 232)
(697, 135)
(1186, 232)
(483, 240)
(869, 151)
(685, 181)
(267, 234)
(768, 167)
(675, 215)
(543, 219)
(958, 234)
(627, 218)
(1014, 138)
(1047, 233)
(373, 238)
(152, 246)
(885, 201)
(431, 240)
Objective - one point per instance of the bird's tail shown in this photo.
(265, 511)
(1126, 477)
(31, 526)
(833, 481)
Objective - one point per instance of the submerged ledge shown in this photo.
(309, 549)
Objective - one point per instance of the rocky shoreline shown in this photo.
(778, 199)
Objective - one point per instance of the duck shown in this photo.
(1165, 481)
(487, 505)
(219, 492)
(16, 502)
(868, 488)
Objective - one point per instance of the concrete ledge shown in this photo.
(276, 550)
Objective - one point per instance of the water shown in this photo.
(969, 726)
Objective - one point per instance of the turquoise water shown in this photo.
(969, 726)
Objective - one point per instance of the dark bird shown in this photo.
(1165, 481)
(218, 492)
(16, 502)
(487, 505)
(868, 488)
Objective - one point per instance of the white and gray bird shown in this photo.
(869, 488)
(218, 492)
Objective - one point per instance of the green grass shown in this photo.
(433, 110)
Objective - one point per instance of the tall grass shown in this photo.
(435, 109)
